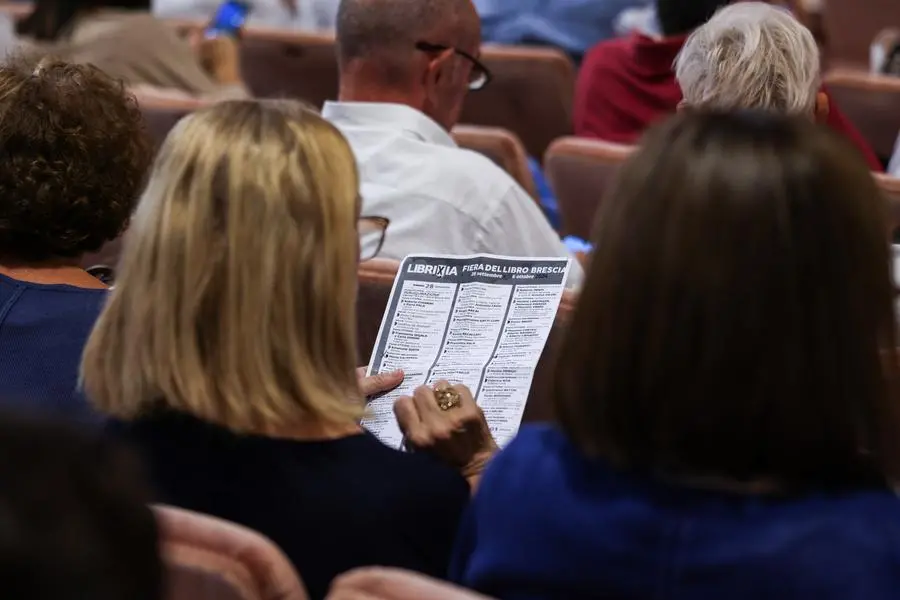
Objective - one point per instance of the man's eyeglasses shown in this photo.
(479, 77)
(371, 236)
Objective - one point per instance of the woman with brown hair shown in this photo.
(74, 155)
(728, 420)
(227, 349)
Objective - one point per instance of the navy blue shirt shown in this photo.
(548, 523)
(43, 330)
(329, 505)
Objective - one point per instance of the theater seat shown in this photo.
(851, 25)
(211, 559)
(531, 95)
(284, 63)
(871, 102)
(580, 171)
(278, 63)
(501, 146)
(376, 278)
(379, 583)
(161, 114)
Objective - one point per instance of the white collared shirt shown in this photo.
(440, 198)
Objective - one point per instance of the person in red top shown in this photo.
(627, 84)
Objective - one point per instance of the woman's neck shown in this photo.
(55, 271)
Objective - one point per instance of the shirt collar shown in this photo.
(386, 115)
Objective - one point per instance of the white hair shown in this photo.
(750, 55)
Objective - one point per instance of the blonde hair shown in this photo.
(750, 55)
(236, 299)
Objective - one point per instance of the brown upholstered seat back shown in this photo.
(871, 102)
(211, 559)
(851, 25)
(531, 95)
(580, 171)
(501, 146)
(162, 114)
(289, 64)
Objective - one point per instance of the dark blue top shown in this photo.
(330, 505)
(43, 330)
(547, 523)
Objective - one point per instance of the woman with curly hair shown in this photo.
(73, 158)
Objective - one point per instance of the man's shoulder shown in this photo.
(608, 52)
(470, 171)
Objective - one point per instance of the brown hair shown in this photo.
(74, 154)
(737, 309)
(236, 299)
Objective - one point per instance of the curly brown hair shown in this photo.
(74, 155)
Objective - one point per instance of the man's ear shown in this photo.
(437, 69)
(823, 107)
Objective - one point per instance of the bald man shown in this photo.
(406, 68)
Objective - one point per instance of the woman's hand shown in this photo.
(380, 583)
(378, 383)
(458, 435)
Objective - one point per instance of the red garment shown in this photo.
(626, 84)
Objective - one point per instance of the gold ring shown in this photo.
(447, 398)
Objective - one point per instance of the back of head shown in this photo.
(680, 17)
(74, 154)
(73, 518)
(236, 297)
(384, 33)
(750, 55)
(736, 309)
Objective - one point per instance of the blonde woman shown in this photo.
(226, 351)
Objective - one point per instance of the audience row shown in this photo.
(727, 416)
(725, 393)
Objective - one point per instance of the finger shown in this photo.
(361, 373)
(351, 594)
(407, 416)
(465, 394)
(467, 408)
(381, 382)
(392, 583)
(416, 419)
(427, 405)
(442, 384)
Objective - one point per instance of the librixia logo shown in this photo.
(434, 270)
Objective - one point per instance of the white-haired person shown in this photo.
(749, 55)
(754, 55)
(226, 351)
